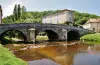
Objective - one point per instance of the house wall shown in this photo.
(0, 18)
(87, 26)
(94, 26)
(69, 16)
(60, 17)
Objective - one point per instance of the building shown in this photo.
(60, 17)
(93, 24)
(0, 14)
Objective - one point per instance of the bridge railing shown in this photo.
(38, 24)
(32, 24)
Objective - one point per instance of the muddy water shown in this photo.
(63, 53)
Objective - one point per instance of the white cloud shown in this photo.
(8, 10)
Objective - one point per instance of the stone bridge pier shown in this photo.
(32, 35)
(62, 35)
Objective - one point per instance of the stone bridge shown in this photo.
(54, 31)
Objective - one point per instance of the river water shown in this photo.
(57, 53)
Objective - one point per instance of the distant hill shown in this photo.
(35, 16)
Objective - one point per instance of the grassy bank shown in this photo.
(94, 38)
(40, 38)
(7, 58)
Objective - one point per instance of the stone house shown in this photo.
(60, 17)
(93, 24)
(0, 14)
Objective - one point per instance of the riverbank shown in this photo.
(91, 38)
(7, 58)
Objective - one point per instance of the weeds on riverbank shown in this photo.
(7, 58)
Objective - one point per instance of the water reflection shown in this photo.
(63, 53)
(86, 59)
(42, 62)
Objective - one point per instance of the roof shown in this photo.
(59, 12)
(94, 20)
(65, 10)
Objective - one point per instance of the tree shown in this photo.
(15, 13)
(23, 16)
(19, 12)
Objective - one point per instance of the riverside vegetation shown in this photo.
(7, 58)
(92, 38)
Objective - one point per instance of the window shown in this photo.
(93, 29)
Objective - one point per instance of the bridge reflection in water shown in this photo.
(62, 53)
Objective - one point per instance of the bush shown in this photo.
(91, 37)
(7, 58)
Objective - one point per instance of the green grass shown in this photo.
(7, 58)
(93, 38)
(40, 38)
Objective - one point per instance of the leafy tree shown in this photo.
(15, 13)
(82, 18)
(23, 16)
(19, 11)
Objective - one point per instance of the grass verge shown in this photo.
(7, 58)
(40, 38)
(91, 38)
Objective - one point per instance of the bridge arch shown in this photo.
(12, 33)
(52, 35)
(73, 35)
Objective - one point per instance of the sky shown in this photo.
(86, 6)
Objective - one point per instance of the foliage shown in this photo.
(19, 11)
(91, 37)
(82, 18)
(23, 12)
(15, 13)
(8, 36)
(7, 58)
(68, 23)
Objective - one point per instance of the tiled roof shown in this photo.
(58, 12)
(95, 20)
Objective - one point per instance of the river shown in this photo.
(57, 53)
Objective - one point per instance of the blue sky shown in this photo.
(87, 6)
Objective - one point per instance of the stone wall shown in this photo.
(61, 31)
